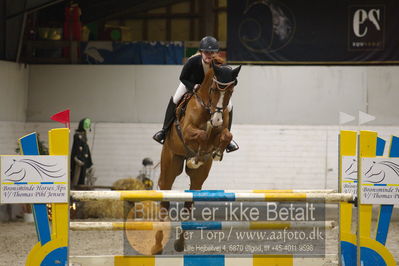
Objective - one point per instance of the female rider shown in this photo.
(191, 77)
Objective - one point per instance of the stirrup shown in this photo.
(233, 146)
(159, 136)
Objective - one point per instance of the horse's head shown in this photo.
(223, 82)
(15, 172)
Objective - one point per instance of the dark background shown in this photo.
(316, 31)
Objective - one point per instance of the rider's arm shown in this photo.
(186, 73)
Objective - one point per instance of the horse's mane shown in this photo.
(208, 78)
(43, 168)
(217, 60)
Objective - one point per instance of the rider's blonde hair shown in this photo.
(216, 59)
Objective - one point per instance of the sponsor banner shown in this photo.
(349, 175)
(310, 31)
(34, 179)
(380, 181)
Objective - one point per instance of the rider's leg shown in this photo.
(170, 113)
(233, 146)
(180, 91)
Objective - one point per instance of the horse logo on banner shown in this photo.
(384, 172)
(18, 170)
(351, 171)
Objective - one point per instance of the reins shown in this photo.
(208, 106)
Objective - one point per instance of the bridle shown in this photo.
(216, 86)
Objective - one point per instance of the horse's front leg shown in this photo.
(198, 136)
(224, 140)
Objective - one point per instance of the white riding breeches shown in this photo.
(181, 90)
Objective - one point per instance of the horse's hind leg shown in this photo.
(197, 179)
(171, 166)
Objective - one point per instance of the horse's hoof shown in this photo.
(217, 156)
(179, 245)
(192, 165)
(157, 250)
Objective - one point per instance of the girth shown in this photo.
(189, 152)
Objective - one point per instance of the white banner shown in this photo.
(34, 179)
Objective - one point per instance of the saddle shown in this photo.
(182, 105)
(180, 111)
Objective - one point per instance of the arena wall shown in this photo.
(285, 117)
(265, 95)
(14, 79)
(270, 157)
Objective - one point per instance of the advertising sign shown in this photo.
(34, 179)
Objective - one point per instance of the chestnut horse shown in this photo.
(198, 137)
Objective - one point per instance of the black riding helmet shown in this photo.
(209, 44)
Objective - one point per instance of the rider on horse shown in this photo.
(191, 77)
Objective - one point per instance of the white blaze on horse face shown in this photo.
(217, 117)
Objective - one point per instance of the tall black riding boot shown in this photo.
(169, 118)
(233, 146)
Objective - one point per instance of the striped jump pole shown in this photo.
(209, 195)
(279, 191)
(198, 225)
(205, 260)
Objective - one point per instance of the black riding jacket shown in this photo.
(192, 72)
